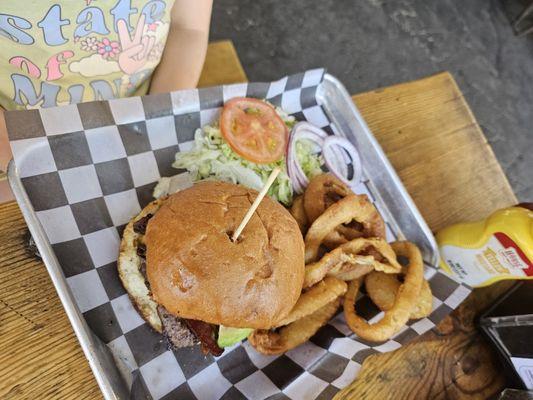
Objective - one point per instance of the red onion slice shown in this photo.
(336, 151)
(340, 159)
(302, 130)
(296, 183)
(332, 160)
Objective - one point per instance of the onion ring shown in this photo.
(297, 210)
(424, 306)
(351, 207)
(398, 315)
(355, 273)
(383, 288)
(294, 334)
(342, 234)
(322, 192)
(316, 297)
(352, 256)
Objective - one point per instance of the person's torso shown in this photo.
(71, 51)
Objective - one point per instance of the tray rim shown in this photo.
(111, 383)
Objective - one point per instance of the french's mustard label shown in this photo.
(500, 257)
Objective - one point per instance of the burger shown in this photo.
(190, 281)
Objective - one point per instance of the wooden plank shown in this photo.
(434, 142)
(222, 65)
(40, 357)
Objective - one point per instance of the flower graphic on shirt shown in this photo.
(152, 27)
(89, 44)
(108, 49)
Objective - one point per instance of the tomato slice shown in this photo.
(254, 130)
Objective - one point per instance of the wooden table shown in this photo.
(435, 144)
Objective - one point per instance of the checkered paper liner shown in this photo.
(89, 168)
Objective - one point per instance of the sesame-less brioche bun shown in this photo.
(196, 272)
(129, 270)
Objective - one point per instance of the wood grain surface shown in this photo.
(435, 144)
(222, 66)
(430, 137)
(40, 357)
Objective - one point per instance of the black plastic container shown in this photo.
(508, 324)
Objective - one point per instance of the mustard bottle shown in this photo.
(483, 252)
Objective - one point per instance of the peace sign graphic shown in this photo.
(134, 51)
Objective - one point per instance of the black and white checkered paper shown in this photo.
(89, 168)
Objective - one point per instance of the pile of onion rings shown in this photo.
(345, 246)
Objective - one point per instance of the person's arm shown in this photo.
(185, 49)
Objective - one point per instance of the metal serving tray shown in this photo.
(391, 198)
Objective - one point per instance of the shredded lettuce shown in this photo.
(308, 157)
(212, 158)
